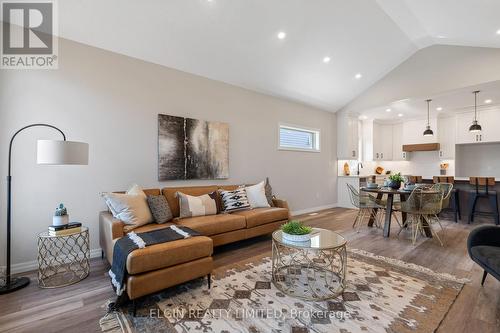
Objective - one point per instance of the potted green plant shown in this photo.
(395, 181)
(61, 216)
(296, 231)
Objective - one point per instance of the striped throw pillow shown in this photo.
(202, 205)
(234, 200)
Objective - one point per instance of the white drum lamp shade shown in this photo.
(58, 152)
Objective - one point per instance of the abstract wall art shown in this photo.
(192, 149)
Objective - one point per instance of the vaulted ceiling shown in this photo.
(236, 41)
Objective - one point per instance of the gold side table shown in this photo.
(63, 260)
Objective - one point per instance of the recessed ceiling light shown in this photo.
(488, 101)
(358, 76)
(439, 108)
(440, 36)
(400, 114)
(498, 32)
(388, 110)
(363, 117)
(281, 35)
(326, 60)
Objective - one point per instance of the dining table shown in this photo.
(390, 193)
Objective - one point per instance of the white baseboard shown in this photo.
(312, 209)
(33, 265)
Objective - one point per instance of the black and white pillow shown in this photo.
(234, 200)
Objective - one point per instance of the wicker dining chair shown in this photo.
(367, 206)
(422, 206)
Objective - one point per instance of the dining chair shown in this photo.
(367, 206)
(422, 205)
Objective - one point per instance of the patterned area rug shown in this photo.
(382, 295)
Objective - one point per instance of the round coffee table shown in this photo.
(314, 270)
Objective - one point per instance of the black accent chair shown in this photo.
(483, 245)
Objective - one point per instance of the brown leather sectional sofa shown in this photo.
(164, 265)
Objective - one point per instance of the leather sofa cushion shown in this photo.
(213, 224)
(260, 216)
(168, 254)
(488, 255)
(173, 201)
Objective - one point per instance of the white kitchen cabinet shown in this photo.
(382, 142)
(343, 195)
(347, 137)
(377, 141)
(397, 144)
(489, 121)
(446, 138)
(413, 131)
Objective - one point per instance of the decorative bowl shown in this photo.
(297, 238)
(372, 185)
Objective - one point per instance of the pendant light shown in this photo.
(428, 131)
(475, 127)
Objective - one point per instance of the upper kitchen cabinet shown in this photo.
(397, 144)
(377, 141)
(446, 138)
(413, 131)
(488, 119)
(347, 137)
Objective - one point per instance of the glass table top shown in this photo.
(320, 239)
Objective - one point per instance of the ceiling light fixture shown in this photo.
(358, 76)
(428, 131)
(475, 127)
(388, 110)
(326, 60)
(400, 114)
(487, 101)
(498, 32)
(281, 35)
(439, 108)
(363, 117)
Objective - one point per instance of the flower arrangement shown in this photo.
(61, 216)
(61, 210)
(396, 180)
(295, 227)
(296, 231)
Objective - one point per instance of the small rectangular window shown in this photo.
(298, 138)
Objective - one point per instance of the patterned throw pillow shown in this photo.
(269, 192)
(234, 200)
(159, 208)
(197, 206)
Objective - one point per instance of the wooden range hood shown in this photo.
(421, 147)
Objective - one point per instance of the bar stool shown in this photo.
(482, 189)
(454, 204)
(415, 179)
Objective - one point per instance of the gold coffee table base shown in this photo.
(309, 271)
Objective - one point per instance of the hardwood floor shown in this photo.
(77, 308)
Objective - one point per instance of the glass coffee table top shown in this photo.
(320, 239)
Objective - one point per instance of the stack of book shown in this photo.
(63, 230)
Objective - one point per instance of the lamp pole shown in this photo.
(21, 282)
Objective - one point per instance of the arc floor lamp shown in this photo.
(51, 152)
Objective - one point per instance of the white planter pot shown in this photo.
(60, 220)
(297, 238)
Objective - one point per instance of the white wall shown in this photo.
(478, 160)
(430, 71)
(111, 102)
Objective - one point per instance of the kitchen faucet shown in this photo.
(360, 166)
